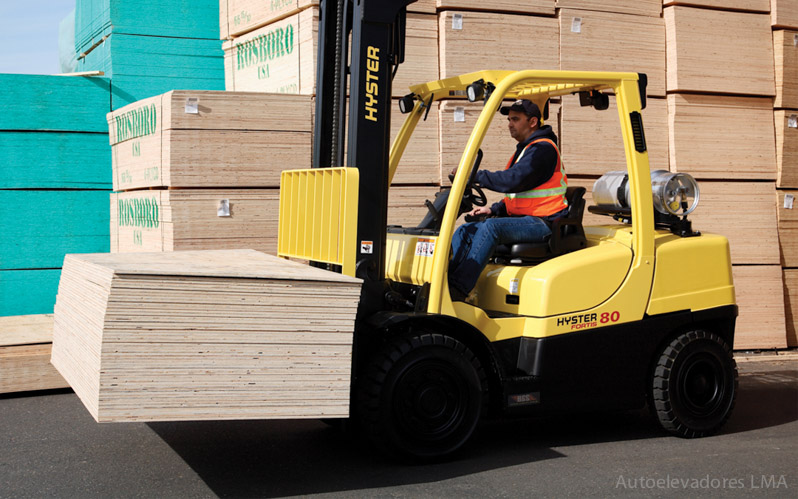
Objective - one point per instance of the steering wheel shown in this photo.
(474, 194)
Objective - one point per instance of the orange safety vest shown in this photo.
(546, 199)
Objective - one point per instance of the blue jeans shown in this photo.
(473, 244)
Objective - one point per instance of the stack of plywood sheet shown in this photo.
(785, 52)
(473, 41)
(787, 207)
(281, 56)
(25, 346)
(722, 137)
(217, 139)
(791, 305)
(607, 41)
(638, 7)
(784, 14)
(718, 51)
(204, 335)
(592, 143)
(786, 121)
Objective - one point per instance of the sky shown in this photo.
(29, 35)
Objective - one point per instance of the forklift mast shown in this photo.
(377, 29)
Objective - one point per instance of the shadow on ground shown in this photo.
(281, 458)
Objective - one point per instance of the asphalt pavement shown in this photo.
(51, 447)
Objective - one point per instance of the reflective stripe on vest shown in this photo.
(545, 199)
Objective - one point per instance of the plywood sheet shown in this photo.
(26, 368)
(722, 137)
(759, 291)
(475, 41)
(26, 329)
(785, 47)
(606, 41)
(705, 50)
(592, 143)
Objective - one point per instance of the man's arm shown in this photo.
(535, 167)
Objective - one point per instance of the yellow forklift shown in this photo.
(640, 310)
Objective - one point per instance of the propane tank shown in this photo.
(673, 193)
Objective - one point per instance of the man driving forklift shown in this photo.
(534, 182)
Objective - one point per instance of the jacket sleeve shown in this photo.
(535, 167)
(498, 209)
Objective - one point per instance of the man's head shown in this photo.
(523, 118)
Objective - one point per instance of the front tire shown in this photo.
(694, 385)
(423, 396)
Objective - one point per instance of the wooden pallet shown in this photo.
(204, 335)
(592, 143)
(608, 41)
(705, 49)
(474, 41)
(722, 137)
(209, 139)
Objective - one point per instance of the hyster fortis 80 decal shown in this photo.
(583, 321)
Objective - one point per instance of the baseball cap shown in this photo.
(525, 106)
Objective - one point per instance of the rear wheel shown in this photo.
(694, 384)
(423, 396)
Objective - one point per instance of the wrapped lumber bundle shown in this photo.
(238, 17)
(607, 41)
(519, 6)
(759, 291)
(787, 208)
(281, 56)
(204, 335)
(143, 66)
(785, 47)
(722, 137)
(784, 13)
(786, 122)
(95, 19)
(791, 305)
(747, 5)
(586, 131)
(638, 7)
(209, 139)
(468, 42)
(457, 120)
(705, 47)
(25, 347)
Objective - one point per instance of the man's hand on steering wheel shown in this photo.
(479, 211)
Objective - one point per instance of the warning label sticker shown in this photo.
(425, 247)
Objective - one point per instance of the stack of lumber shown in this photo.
(205, 138)
(25, 348)
(784, 18)
(189, 335)
(269, 53)
(151, 47)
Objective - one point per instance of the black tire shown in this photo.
(423, 396)
(694, 385)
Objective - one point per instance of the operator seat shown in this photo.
(567, 235)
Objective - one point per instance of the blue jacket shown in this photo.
(535, 167)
